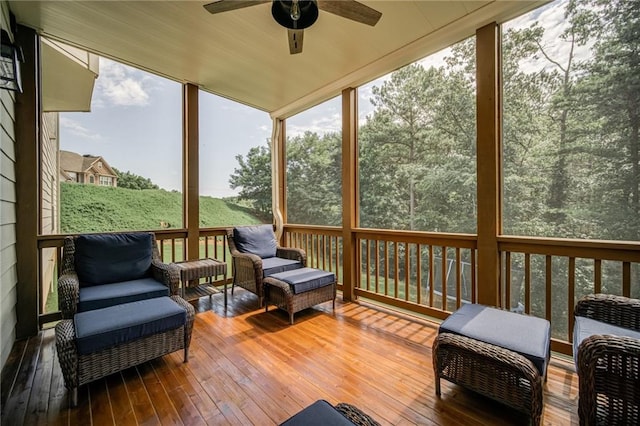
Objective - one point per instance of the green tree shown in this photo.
(253, 178)
(132, 181)
(314, 179)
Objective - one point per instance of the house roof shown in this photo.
(74, 162)
(243, 54)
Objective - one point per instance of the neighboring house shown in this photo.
(86, 169)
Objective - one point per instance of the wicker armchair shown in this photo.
(70, 285)
(249, 269)
(609, 364)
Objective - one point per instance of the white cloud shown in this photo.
(77, 129)
(121, 85)
(321, 125)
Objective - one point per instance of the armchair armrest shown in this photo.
(245, 262)
(292, 253)
(616, 310)
(167, 274)
(607, 368)
(68, 294)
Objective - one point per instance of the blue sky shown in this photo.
(135, 121)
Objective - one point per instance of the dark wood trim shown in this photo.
(488, 115)
(191, 170)
(27, 132)
(350, 211)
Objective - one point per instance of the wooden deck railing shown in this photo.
(322, 244)
(546, 276)
(434, 273)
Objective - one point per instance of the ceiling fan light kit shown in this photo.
(296, 15)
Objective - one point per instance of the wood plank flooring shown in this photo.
(250, 367)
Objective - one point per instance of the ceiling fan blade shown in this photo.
(351, 9)
(295, 41)
(220, 6)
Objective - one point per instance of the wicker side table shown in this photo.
(191, 270)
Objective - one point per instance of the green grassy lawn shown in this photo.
(91, 208)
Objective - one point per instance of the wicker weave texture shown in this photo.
(609, 381)
(247, 268)
(609, 366)
(69, 285)
(490, 370)
(279, 293)
(78, 370)
(355, 415)
(616, 310)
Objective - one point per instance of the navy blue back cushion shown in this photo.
(110, 258)
(259, 240)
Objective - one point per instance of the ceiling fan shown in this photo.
(296, 15)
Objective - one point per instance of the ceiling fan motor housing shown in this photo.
(282, 13)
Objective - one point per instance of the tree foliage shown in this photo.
(130, 180)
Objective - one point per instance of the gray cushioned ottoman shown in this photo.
(100, 342)
(500, 354)
(321, 413)
(299, 289)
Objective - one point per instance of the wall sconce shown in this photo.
(10, 57)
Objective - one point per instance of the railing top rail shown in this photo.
(420, 237)
(571, 242)
(626, 251)
(314, 229)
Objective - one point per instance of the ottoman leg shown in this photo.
(74, 397)
(291, 318)
(437, 385)
(186, 354)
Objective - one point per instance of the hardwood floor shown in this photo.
(251, 367)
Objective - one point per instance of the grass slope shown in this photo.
(92, 208)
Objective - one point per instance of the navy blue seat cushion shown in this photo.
(274, 265)
(108, 327)
(585, 327)
(105, 295)
(306, 279)
(110, 258)
(320, 413)
(259, 240)
(529, 336)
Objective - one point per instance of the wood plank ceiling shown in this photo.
(243, 54)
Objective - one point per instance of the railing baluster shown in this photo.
(431, 276)
(527, 283)
(444, 278)
(571, 298)
(407, 270)
(368, 278)
(419, 273)
(397, 269)
(386, 268)
(173, 249)
(507, 279)
(458, 278)
(206, 246)
(547, 281)
(324, 252)
(474, 285)
(377, 267)
(626, 279)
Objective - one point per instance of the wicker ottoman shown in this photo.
(497, 353)
(321, 413)
(299, 289)
(104, 341)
